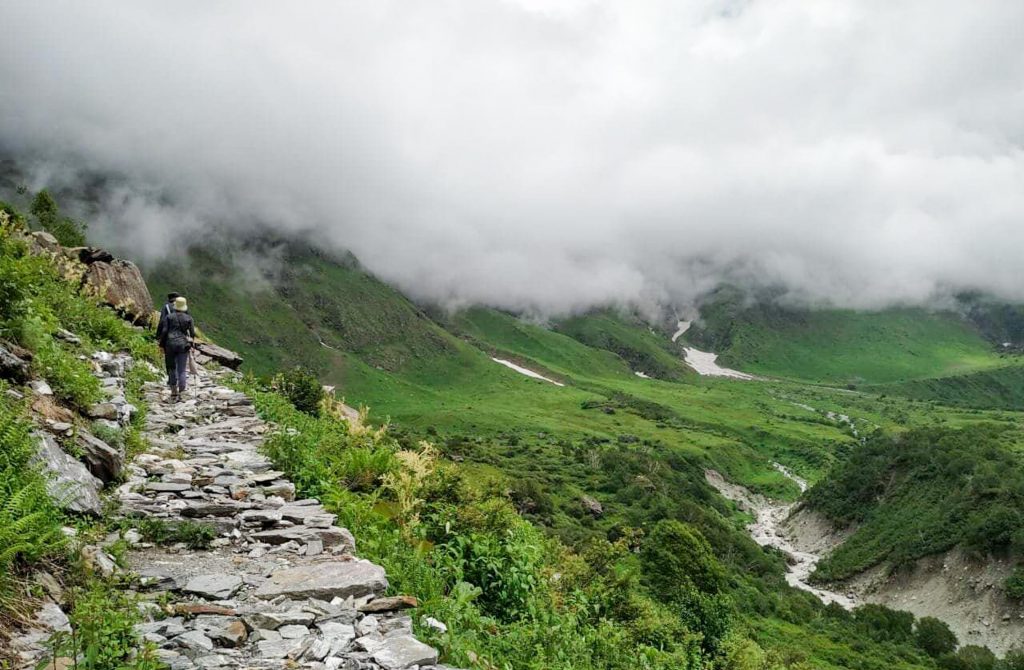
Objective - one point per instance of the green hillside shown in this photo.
(637, 446)
(832, 346)
(630, 338)
(927, 491)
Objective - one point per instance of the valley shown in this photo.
(643, 414)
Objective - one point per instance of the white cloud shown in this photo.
(550, 156)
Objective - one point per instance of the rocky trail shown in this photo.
(280, 585)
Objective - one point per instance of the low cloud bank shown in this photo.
(546, 156)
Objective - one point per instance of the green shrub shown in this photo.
(102, 635)
(677, 559)
(934, 637)
(883, 624)
(1014, 584)
(302, 388)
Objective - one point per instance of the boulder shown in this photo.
(102, 410)
(592, 505)
(120, 284)
(13, 367)
(43, 241)
(326, 580)
(225, 357)
(103, 461)
(70, 484)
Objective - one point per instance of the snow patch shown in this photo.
(642, 375)
(704, 363)
(524, 371)
(681, 328)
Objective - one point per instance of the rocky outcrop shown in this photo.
(70, 484)
(592, 506)
(120, 285)
(225, 357)
(12, 367)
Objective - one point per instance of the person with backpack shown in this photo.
(176, 334)
(165, 312)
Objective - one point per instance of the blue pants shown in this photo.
(180, 371)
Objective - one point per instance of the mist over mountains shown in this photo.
(545, 157)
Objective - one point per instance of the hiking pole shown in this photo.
(193, 367)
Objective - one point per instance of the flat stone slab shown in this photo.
(326, 580)
(398, 653)
(214, 587)
(166, 487)
(302, 534)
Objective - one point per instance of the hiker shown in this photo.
(176, 333)
(165, 312)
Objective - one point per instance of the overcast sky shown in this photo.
(549, 155)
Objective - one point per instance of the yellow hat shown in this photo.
(180, 304)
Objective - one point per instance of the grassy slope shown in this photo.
(631, 339)
(1001, 388)
(833, 346)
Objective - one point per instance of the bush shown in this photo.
(1014, 584)
(934, 637)
(676, 558)
(970, 657)
(302, 388)
(883, 624)
(102, 635)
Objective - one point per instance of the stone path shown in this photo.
(280, 586)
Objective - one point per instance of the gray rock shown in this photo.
(165, 487)
(228, 631)
(276, 648)
(40, 387)
(293, 631)
(326, 580)
(225, 507)
(102, 410)
(67, 336)
(340, 635)
(329, 537)
(52, 618)
(214, 587)
(193, 641)
(273, 620)
(261, 516)
(70, 484)
(398, 653)
(592, 506)
(225, 357)
(103, 461)
(12, 367)
(120, 284)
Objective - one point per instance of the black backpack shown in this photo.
(178, 337)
